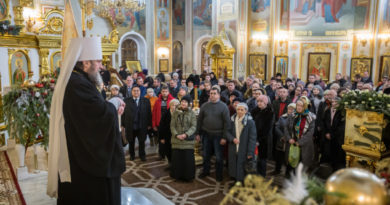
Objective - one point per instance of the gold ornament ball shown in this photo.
(29, 83)
(359, 186)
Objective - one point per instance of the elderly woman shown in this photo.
(263, 116)
(183, 127)
(164, 130)
(316, 98)
(282, 135)
(115, 92)
(302, 129)
(242, 141)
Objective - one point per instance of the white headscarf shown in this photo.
(79, 49)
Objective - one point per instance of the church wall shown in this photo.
(202, 25)
(4, 64)
(308, 29)
(254, 27)
(227, 19)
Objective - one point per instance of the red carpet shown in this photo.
(10, 192)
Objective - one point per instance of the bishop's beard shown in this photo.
(95, 76)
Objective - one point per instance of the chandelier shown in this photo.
(105, 7)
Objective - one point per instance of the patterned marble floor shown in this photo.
(152, 174)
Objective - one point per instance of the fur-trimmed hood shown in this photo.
(244, 121)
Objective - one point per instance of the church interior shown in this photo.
(268, 41)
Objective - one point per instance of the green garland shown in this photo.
(26, 110)
(366, 101)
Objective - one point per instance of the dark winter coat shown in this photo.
(246, 147)
(336, 131)
(264, 120)
(128, 116)
(164, 130)
(282, 133)
(305, 142)
(276, 107)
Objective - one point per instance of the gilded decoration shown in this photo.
(18, 16)
(363, 142)
(55, 61)
(19, 64)
(221, 52)
(43, 57)
(26, 3)
(49, 41)
(28, 41)
(54, 22)
(306, 48)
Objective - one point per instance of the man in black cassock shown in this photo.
(94, 144)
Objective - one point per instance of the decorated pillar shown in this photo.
(44, 61)
(163, 36)
(188, 46)
(18, 16)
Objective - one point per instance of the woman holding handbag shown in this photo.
(242, 143)
(183, 127)
(301, 143)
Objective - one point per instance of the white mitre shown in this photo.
(79, 49)
(92, 49)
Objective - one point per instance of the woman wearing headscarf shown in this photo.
(263, 116)
(283, 135)
(302, 129)
(242, 142)
(164, 130)
(183, 127)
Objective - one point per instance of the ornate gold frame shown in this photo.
(275, 66)
(11, 52)
(227, 53)
(265, 64)
(7, 16)
(47, 28)
(52, 60)
(362, 58)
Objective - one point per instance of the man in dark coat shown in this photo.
(324, 145)
(137, 119)
(173, 88)
(231, 86)
(334, 128)
(280, 107)
(105, 76)
(93, 141)
(264, 120)
(123, 73)
(126, 89)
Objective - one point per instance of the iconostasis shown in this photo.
(233, 38)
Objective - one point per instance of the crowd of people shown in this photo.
(243, 122)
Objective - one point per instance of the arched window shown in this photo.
(205, 58)
(129, 51)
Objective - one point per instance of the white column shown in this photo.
(214, 29)
(149, 23)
